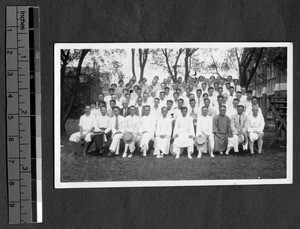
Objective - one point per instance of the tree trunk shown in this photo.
(186, 64)
(64, 59)
(75, 88)
(143, 55)
(133, 63)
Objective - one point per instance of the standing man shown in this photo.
(183, 134)
(132, 125)
(199, 99)
(256, 127)
(86, 122)
(147, 129)
(247, 103)
(124, 111)
(254, 103)
(239, 126)
(221, 130)
(233, 109)
(139, 107)
(117, 125)
(163, 134)
(204, 128)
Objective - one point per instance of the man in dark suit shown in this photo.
(139, 111)
(124, 111)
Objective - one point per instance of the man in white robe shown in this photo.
(155, 110)
(256, 127)
(132, 125)
(183, 134)
(163, 134)
(85, 131)
(233, 108)
(204, 128)
(147, 128)
(117, 125)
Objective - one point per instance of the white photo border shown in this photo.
(167, 183)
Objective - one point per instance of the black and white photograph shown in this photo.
(173, 114)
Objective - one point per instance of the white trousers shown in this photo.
(145, 141)
(178, 150)
(76, 137)
(234, 142)
(131, 145)
(210, 142)
(162, 144)
(115, 144)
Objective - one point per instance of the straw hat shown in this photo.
(128, 137)
(253, 136)
(242, 138)
(200, 140)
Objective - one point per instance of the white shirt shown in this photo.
(148, 124)
(86, 122)
(121, 124)
(95, 111)
(231, 111)
(155, 112)
(132, 124)
(163, 127)
(140, 110)
(204, 125)
(102, 122)
(107, 99)
(247, 103)
(256, 123)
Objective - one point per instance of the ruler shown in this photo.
(23, 114)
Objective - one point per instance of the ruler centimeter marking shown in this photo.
(23, 114)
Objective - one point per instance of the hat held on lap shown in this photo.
(242, 138)
(200, 140)
(128, 137)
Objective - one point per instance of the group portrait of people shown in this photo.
(198, 115)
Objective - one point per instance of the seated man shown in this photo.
(117, 125)
(101, 128)
(204, 128)
(221, 130)
(183, 134)
(85, 131)
(163, 134)
(256, 127)
(147, 129)
(132, 125)
(239, 126)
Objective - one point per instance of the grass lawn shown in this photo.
(79, 168)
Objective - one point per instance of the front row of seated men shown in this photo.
(218, 134)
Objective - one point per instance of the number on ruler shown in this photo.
(9, 52)
(11, 183)
(10, 96)
(12, 205)
(9, 74)
(24, 111)
(12, 161)
(10, 117)
(11, 139)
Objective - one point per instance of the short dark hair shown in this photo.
(181, 100)
(249, 91)
(112, 100)
(183, 108)
(210, 88)
(220, 96)
(231, 87)
(204, 94)
(198, 90)
(93, 102)
(170, 101)
(222, 106)
(192, 100)
(111, 89)
(240, 106)
(254, 97)
(207, 99)
(132, 106)
(235, 99)
(116, 107)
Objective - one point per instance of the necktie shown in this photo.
(117, 123)
(124, 112)
(193, 110)
(240, 119)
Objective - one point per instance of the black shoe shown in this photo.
(110, 154)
